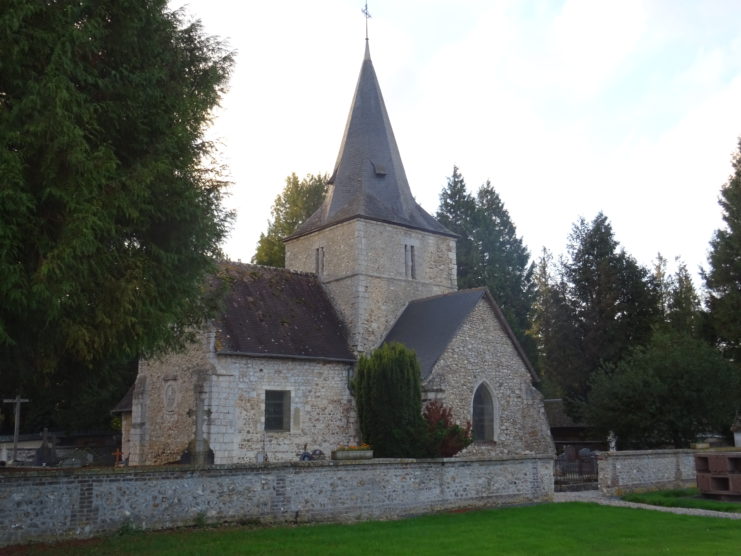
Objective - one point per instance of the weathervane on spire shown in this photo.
(367, 15)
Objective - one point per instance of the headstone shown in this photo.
(46, 454)
(188, 456)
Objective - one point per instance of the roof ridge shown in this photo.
(270, 268)
(481, 289)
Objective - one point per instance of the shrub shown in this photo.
(388, 393)
(444, 437)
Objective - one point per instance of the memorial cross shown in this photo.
(17, 401)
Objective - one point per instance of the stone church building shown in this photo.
(273, 372)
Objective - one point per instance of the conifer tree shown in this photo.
(552, 327)
(457, 212)
(110, 212)
(504, 262)
(723, 279)
(388, 398)
(600, 306)
(489, 252)
(295, 204)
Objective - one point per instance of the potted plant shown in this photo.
(363, 451)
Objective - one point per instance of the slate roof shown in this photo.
(429, 325)
(557, 416)
(124, 406)
(369, 179)
(274, 312)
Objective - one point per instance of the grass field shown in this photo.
(682, 498)
(573, 528)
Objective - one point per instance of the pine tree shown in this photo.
(295, 204)
(723, 280)
(110, 216)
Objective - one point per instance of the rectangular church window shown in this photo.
(319, 260)
(410, 269)
(277, 410)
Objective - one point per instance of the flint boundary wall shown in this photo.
(631, 471)
(58, 504)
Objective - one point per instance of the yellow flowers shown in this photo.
(361, 447)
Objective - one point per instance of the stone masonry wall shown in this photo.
(368, 272)
(233, 388)
(322, 411)
(51, 505)
(629, 471)
(164, 399)
(482, 352)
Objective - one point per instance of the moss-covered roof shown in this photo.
(278, 313)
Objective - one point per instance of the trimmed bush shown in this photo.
(388, 396)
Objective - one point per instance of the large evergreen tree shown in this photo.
(457, 212)
(295, 204)
(504, 262)
(723, 280)
(600, 306)
(110, 218)
(552, 328)
(488, 252)
(679, 304)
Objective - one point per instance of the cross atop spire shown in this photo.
(367, 15)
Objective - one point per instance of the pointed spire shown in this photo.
(369, 179)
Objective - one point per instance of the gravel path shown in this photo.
(598, 498)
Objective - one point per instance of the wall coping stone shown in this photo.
(633, 453)
(10, 473)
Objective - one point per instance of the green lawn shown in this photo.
(573, 528)
(682, 498)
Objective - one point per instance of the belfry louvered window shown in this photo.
(410, 264)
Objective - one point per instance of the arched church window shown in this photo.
(483, 415)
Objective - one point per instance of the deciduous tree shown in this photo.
(665, 393)
(295, 204)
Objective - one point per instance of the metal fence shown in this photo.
(579, 470)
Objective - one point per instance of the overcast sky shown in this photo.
(632, 108)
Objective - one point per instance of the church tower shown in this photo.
(374, 248)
